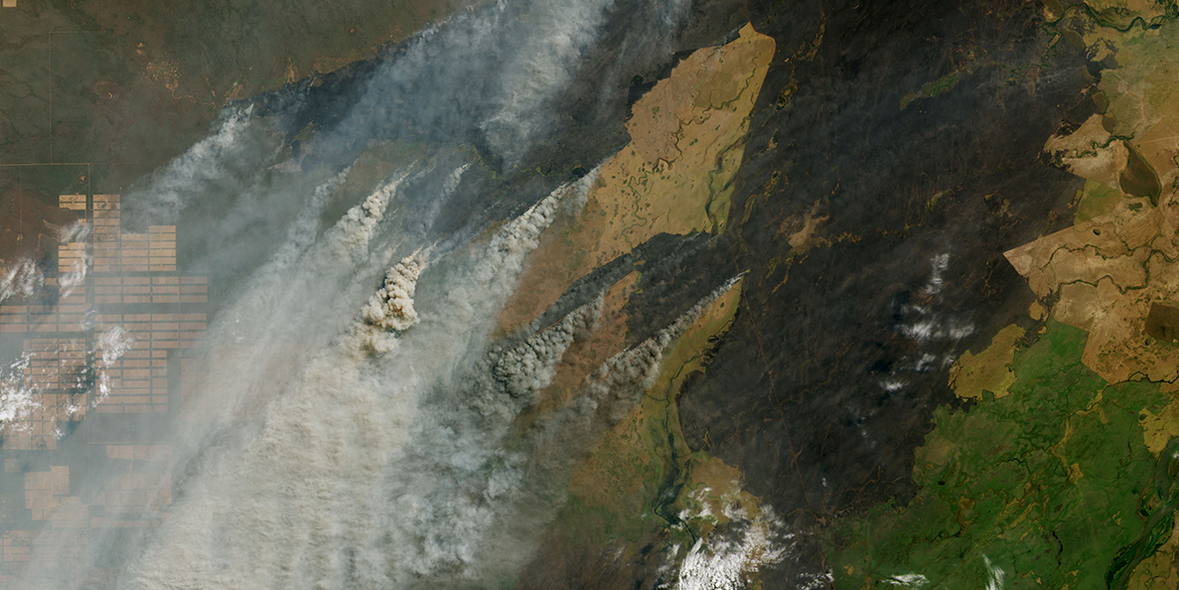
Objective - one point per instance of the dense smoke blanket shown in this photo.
(588, 294)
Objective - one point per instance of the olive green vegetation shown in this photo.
(930, 89)
(941, 85)
(1048, 487)
(1097, 200)
(643, 475)
(1161, 499)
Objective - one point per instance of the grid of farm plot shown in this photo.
(110, 335)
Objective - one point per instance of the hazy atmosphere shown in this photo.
(679, 294)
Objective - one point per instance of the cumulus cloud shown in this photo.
(907, 580)
(19, 397)
(22, 279)
(719, 563)
(995, 575)
(74, 275)
(939, 264)
(930, 327)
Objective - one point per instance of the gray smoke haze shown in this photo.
(307, 503)
(382, 454)
(394, 472)
(386, 470)
(493, 75)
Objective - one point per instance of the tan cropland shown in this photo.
(1108, 271)
(810, 222)
(1090, 153)
(989, 370)
(1122, 255)
(687, 141)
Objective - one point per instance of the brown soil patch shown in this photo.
(29, 226)
(687, 141)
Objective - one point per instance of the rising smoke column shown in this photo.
(390, 310)
(369, 470)
(339, 442)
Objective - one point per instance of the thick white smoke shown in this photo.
(390, 310)
(478, 503)
(312, 500)
(627, 374)
(377, 471)
(211, 163)
(305, 228)
(298, 292)
(543, 65)
(528, 368)
(498, 68)
(391, 307)
(389, 470)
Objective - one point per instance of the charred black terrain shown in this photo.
(827, 381)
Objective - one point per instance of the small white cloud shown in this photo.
(109, 347)
(112, 344)
(921, 331)
(939, 263)
(907, 580)
(995, 575)
(18, 397)
(74, 232)
(22, 279)
(926, 362)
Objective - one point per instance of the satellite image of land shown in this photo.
(589, 294)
